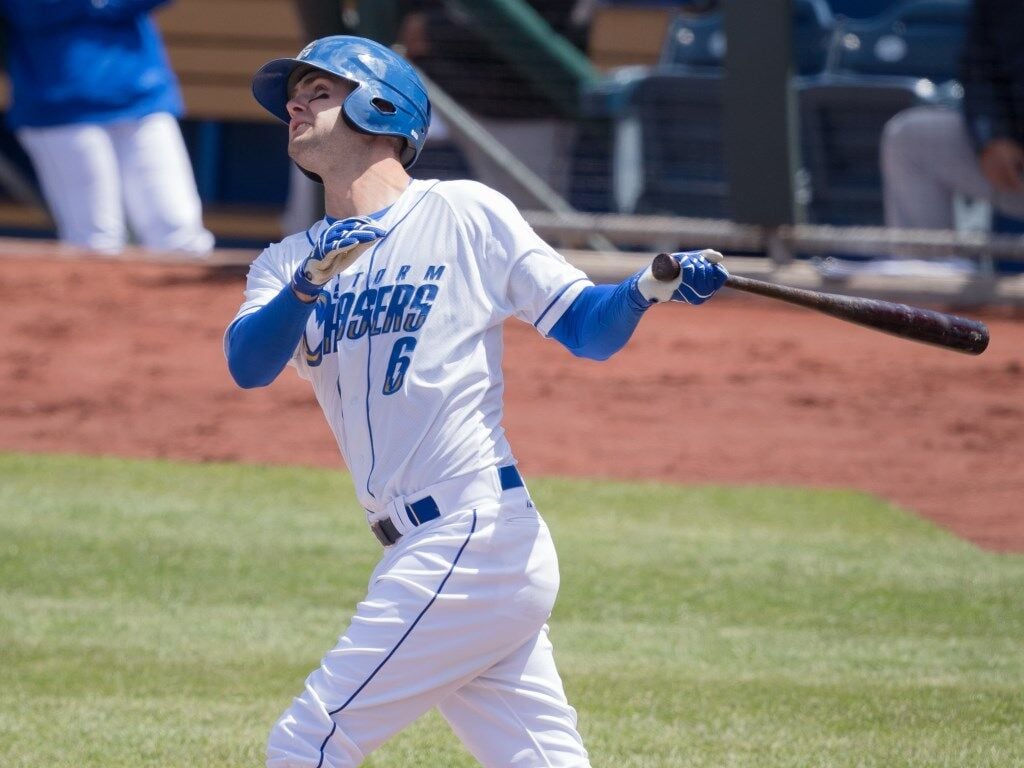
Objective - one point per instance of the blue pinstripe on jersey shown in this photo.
(369, 341)
(402, 639)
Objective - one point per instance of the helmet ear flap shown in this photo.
(375, 114)
(361, 112)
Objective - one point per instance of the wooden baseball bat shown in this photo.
(915, 323)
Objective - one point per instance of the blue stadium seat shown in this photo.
(841, 122)
(814, 29)
(668, 156)
(916, 38)
(859, 9)
(698, 42)
(666, 121)
(667, 150)
(681, 138)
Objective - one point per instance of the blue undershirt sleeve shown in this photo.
(601, 319)
(260, 344)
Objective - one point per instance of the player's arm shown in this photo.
(260, 344)
(602, 318)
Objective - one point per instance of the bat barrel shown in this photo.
(916, 323)
(928, 326)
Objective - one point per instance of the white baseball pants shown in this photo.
(93, 176)
(454, 618)
(927, 160)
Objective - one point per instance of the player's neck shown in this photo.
(376, 187)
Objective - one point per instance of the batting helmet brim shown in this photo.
(270, 85)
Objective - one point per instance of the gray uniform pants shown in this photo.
(927, 160)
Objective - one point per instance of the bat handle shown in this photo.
(664, 268)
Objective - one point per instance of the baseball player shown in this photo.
(392, 307)
(95, 105)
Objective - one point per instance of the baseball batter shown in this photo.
(392, 307)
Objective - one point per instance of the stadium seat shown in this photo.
(814, 29)
(841, 121)
(859, 9)
(666, 120)
(916, 38)
(668, 156)
(698, 42)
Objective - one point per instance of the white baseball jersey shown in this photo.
(404, 347)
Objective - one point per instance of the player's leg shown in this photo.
(927, 160)
(515, 715)
(449, 602)
(161, 197)
(77, 170)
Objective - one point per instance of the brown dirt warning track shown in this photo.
(125, 359)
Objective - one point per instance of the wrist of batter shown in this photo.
(653, 290)
(304, 288)
(305, 298)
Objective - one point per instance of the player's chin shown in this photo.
(298, 150)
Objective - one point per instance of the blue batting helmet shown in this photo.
(389, 98)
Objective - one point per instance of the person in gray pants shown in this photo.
(930, 155)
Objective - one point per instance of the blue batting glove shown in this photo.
(336, 248)
(345, 234)
(702, 276)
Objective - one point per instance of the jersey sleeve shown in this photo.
(265, 280)
(542, 285)
(525, 276)
(272, 270)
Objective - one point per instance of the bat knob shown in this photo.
(664, 268)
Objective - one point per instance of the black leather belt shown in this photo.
(426, 509)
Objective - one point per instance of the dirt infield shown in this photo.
(126, 359)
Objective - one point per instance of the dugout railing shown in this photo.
(792, 255)
(842, 260)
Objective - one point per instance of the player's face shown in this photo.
(314, 107)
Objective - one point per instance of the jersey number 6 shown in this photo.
(398, 365)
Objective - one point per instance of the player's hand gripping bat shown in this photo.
(338, 246)
(948, 331)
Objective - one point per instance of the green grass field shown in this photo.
(162, 614)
